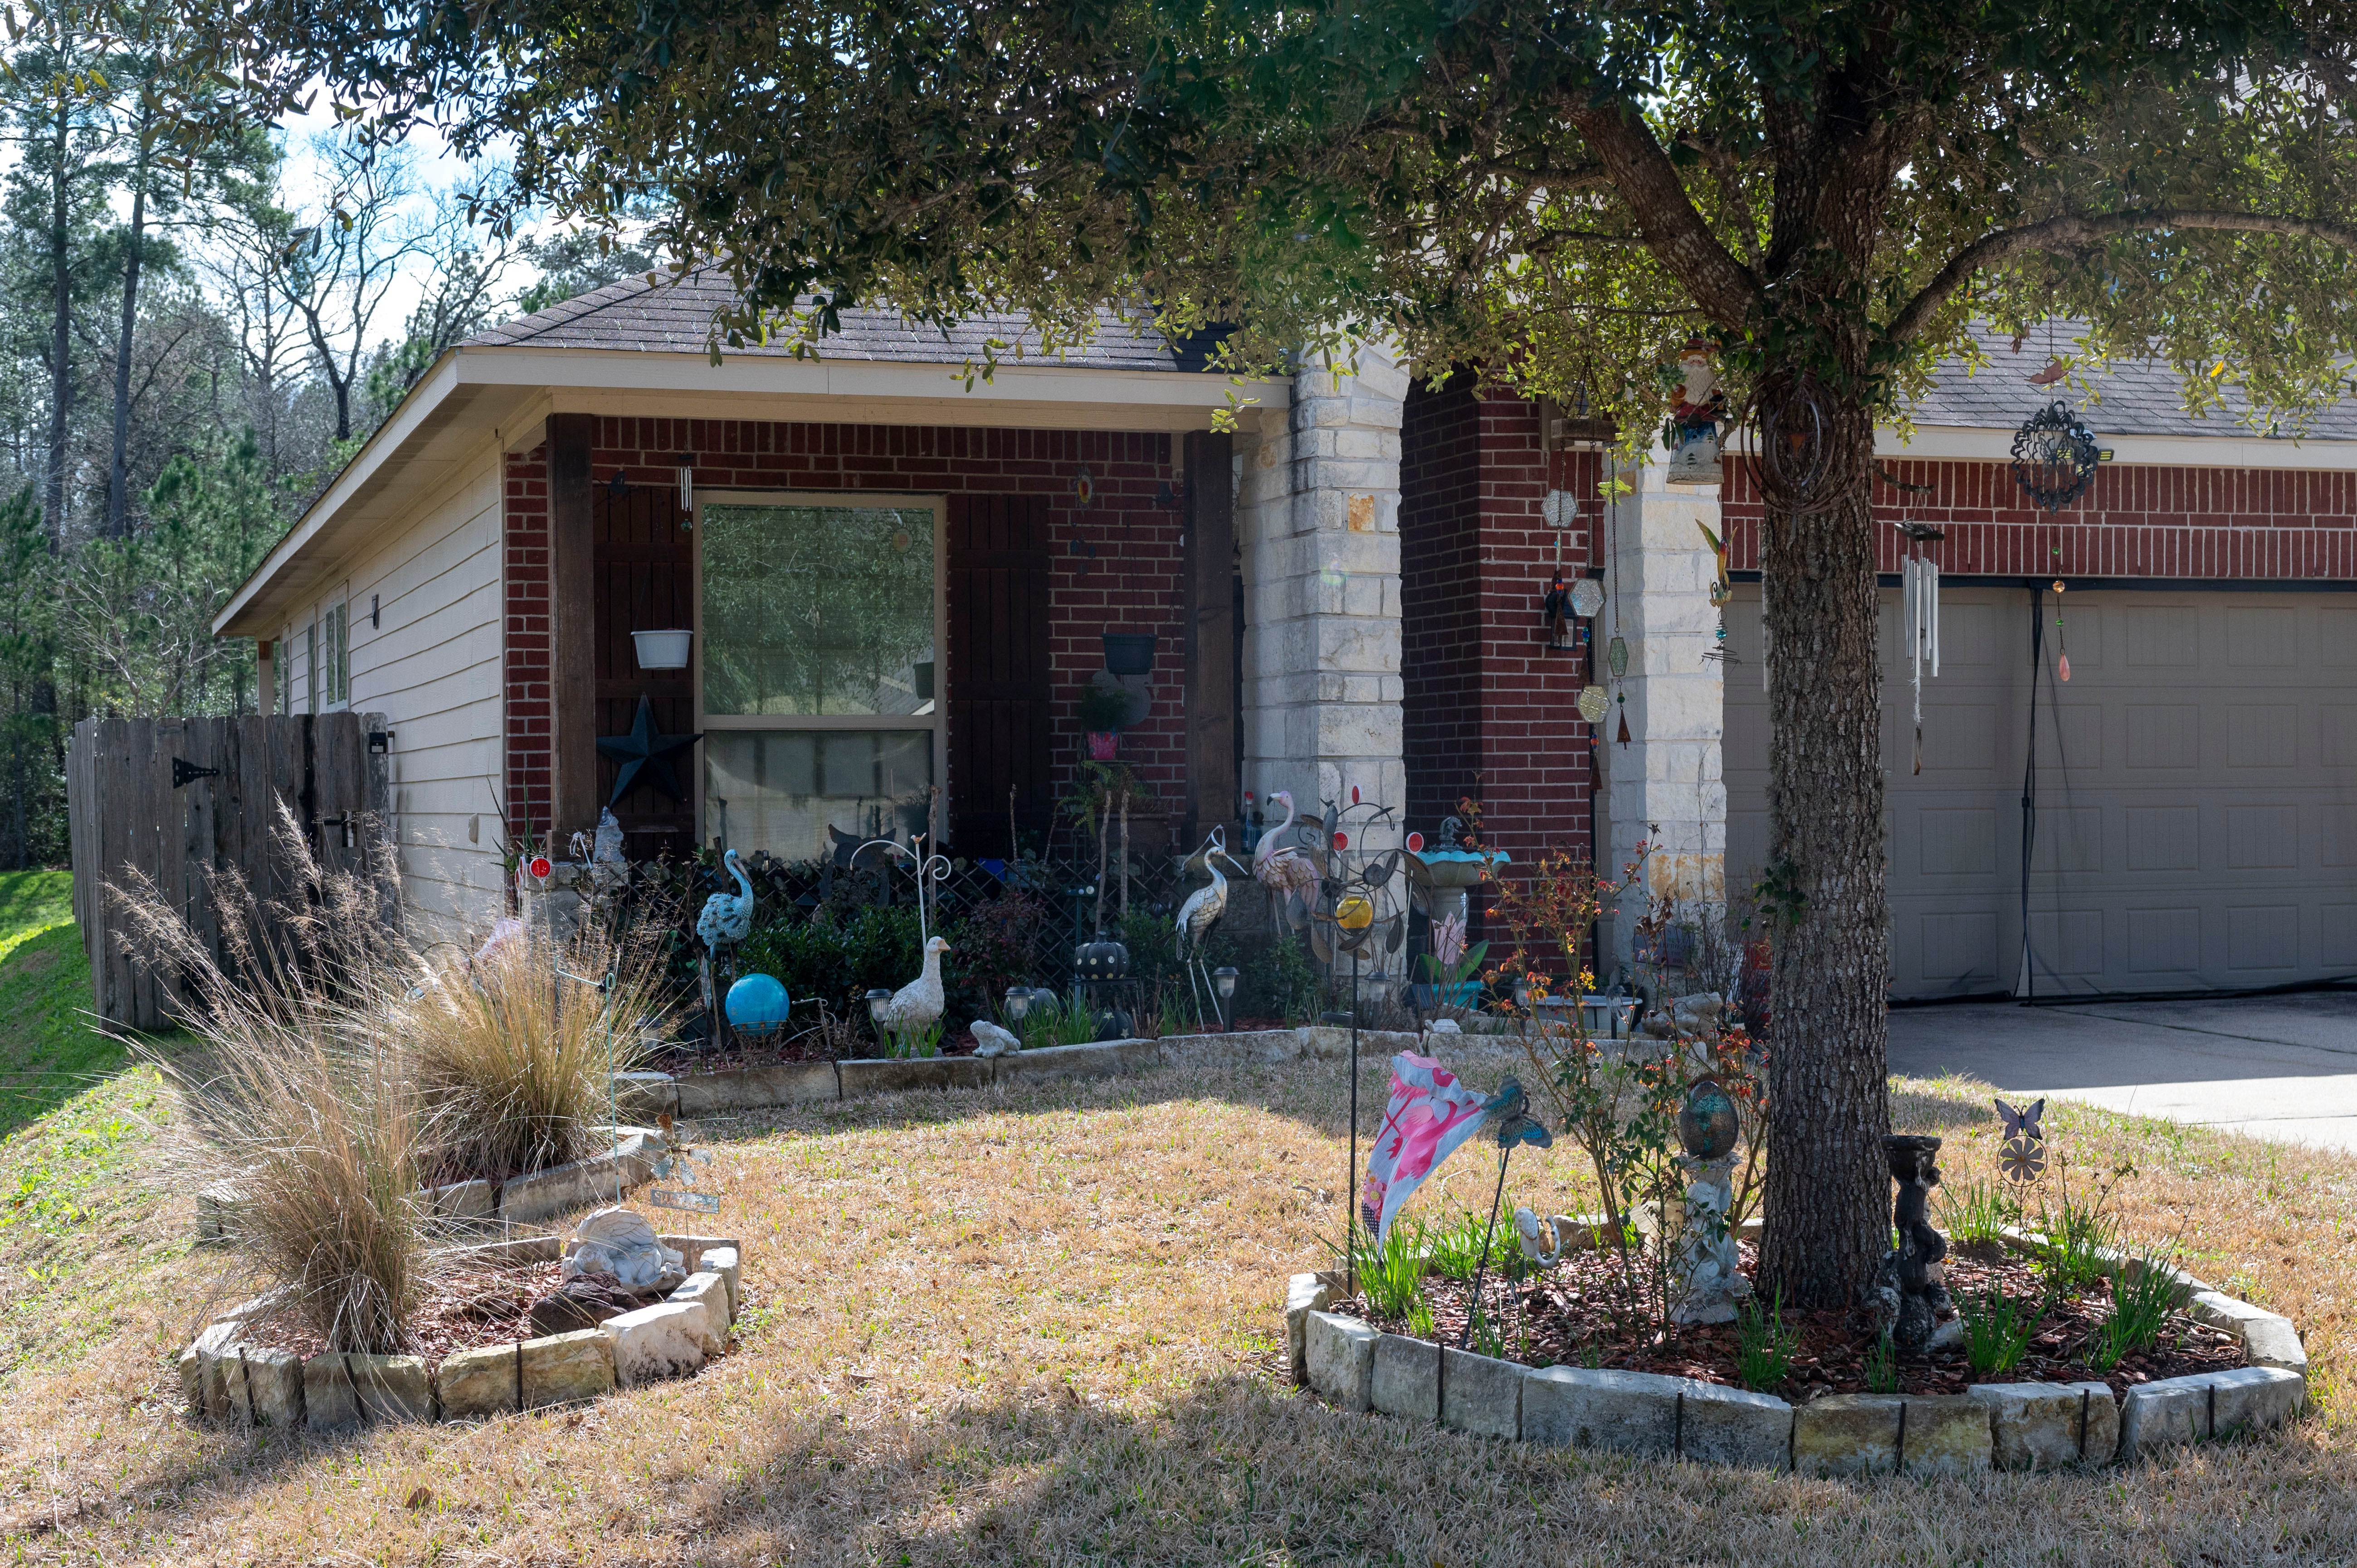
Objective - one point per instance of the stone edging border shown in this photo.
(519, 1201)
(2013, 1426)
(643, 1096)
(225, 1379)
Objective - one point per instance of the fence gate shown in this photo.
(175, 798)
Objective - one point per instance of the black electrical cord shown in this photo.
(2029, 785)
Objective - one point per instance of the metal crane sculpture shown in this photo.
(727, 920)
(1290, 876)
(1198, 914)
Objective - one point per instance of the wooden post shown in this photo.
(265, 674)
(572, 630)
(1208, 571)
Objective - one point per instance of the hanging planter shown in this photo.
(1105, 745)
(1104, 711)
(1130, 652)
(662, 650)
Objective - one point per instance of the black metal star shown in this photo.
(645, 748)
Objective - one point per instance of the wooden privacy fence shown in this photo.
(177, 798)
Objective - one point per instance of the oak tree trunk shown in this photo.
(1827, 1193)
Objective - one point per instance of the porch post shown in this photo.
(1210, 654)
(266, 675)
(573, 630)
(1319, 519)
(1664, 786)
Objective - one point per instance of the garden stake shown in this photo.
(1351, 1176)
(1506, 1152)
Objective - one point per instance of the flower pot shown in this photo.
(1130, 652)
(662, 650)
(1105, 745)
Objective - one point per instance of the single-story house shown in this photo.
(897, 580)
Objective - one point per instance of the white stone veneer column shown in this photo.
(1665, 784)
(1318, 520)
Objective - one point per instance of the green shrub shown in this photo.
(1997, 1330)
(1457, 1247)
(1764, 1346)
(2142, 1299)
(2077, 1237)
(1391, 1276)
(1978, 1213)
(1882, 1366)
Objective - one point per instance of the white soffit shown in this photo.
(1958, 443)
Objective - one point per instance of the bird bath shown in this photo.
(1446, 874)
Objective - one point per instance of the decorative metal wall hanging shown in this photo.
(2062, 665)
(645, 750)
(2022, 1153)
(1792, 438)
(2055, 456)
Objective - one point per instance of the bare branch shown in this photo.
(2076, 229)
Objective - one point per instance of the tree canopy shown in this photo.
(1564, 193)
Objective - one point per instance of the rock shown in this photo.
(722, 1260)
(272, 1384)
(563, 1368)
(2158, 1414)
(477, 1383)
(393, 1388)
(1406, 1379)
(2045, 1426)
(199, 1382)
(1846, 1435)
(656, 1342)
(2273, 1342)
(1443, 1027)
(2254, 1397)
(1340, 1356)
(1621, 1412)
(708, 1292)
(584, 1301)
(1480, 1394)
(621, 1242)
(2221, 1311)
(462, 1199)
(1946, 1435)
(1735, 1426)
(1304, 1294)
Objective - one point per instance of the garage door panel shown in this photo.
(2263, 735)
(2188, 835)
(2262, 937)
(2163, 735)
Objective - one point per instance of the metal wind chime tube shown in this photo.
(1922, 595)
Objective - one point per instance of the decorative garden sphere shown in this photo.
(1102, 959)
(1354, 913)
(757, 1005)
(1706, 1122)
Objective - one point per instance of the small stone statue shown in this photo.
(1911, 1293)
(620, 1242)
(1708, 1265)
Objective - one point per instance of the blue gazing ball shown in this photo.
(757, 1005)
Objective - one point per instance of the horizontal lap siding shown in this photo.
(2136, 520)
(431, 663)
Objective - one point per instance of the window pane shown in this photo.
(818, 610)
(781, 790)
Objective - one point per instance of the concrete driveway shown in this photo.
(2273, 1066)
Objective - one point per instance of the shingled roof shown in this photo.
(2141, 397)
(674, 316)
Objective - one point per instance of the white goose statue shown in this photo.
(917, 1006)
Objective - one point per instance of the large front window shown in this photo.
(821, 630)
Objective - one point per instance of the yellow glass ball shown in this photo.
(1354, 913)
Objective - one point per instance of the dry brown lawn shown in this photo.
(1042, 1327)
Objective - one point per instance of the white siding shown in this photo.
(432, 665)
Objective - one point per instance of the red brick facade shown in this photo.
(1130, 582)
(2135, 521)
(1487, 708)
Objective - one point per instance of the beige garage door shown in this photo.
(2195, 821)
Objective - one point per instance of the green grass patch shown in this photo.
(49, 1052)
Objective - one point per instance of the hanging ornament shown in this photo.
(1594, 704)
(2063, 665)
(1586, 598)
(1616, 657)
(1920, 598)
(2055, 456)
(1623, 736)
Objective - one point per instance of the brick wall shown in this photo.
(529, 778)
(1488, 710)
(1130, 583)
(2137, 521)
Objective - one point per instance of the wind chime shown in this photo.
(1721, 591)
(1920, 597)
(1615, 652)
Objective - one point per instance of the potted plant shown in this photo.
(1104, 711)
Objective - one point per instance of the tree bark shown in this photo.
(1827, 1193)
(118, 477)
(60, 324)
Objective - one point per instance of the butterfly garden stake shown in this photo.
(2021, 1152)
(1509, 1113)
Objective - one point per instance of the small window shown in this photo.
(335, 658)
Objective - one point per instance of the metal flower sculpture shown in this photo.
(2055, 456)
(2021, 1153)
(1360, 912)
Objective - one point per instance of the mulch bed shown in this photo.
(464, 1310)
(1566, 1317)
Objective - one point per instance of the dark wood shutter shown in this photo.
(646, 582)
(999, 684)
